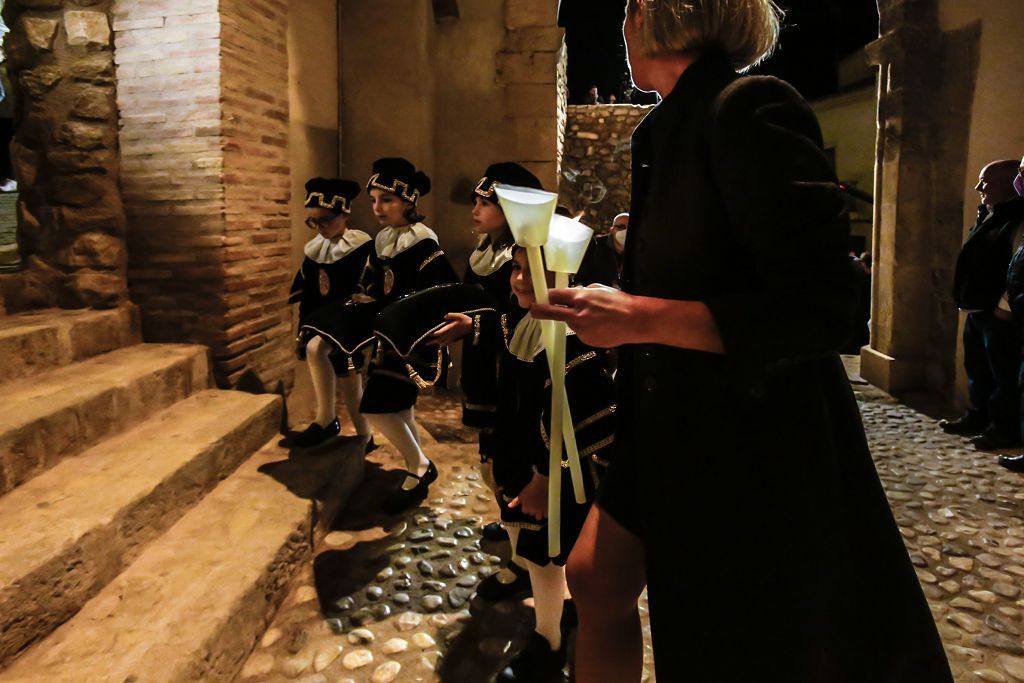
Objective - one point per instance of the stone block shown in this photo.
(95, 250)
(87, 28)
(529, 100)
(527, 67)
(41, 80)
(534, 39)
(39, 32)
(95, 290)
(93, 104)
(98, 69)
(108, 219)
(524, 13)
(62, 162)
(84, 136)
(26, 164)
(80, 190)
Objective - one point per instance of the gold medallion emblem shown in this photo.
(325, 283)
(389, 280)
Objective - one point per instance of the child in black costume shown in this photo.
(490, 267)
(520, 465)
(329, 276)
(406, 258)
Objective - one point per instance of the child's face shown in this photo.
(327, 223)
(522, 285)
(488, 218)
(389, 209)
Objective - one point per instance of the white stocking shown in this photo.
(548, 595)
(396, 430)
(324, 381)
(410, 419)
(352, 392)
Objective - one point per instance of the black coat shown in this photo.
(1014, 214)
(980, 277)
(772, 553)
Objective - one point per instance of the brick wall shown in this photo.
(70, 216)
(597, 155)
(203, 103)
(257, 245)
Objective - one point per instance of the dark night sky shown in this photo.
(816, 34)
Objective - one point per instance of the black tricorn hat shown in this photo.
(334, 194)
(506, 173)
(399, 177)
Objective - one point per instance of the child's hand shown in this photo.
(533, 499)
(458, 326)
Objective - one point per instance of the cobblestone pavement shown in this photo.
(389, 598)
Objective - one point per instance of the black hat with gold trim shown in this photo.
(506, 173)
(333, 194)
(399, 177)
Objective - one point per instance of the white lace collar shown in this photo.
(488, 260)
(527, 339)
(391, 241)
(323, 250)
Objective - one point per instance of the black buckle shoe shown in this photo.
(315, 434)
(991, 440)
(968, 424)
(1014, 463)
(535, 663)
(495, 531)
(492, 589)
(403, 499)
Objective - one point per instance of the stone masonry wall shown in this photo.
(204, 110)
(596, 162)
(71, 220)
(528, 68)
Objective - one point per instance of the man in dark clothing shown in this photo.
(991, 339)
(1015, 297)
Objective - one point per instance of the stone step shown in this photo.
(40, 341)
(193, 604)
(51, 416)
(70, 531)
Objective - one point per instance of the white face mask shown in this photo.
(620, 237)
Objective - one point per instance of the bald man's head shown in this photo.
(995, 182)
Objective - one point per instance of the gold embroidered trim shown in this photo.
(404, 193)
(575, 362)
(322, 201)
(430, 259)
(547, 444)
(590, 450)
(429, 332)
(479, 189)
(582, 424)
(504, 328)
(523, 525)
(416, 377)
(600, 461)
(336, 342)
(476, 330)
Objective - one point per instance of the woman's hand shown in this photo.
(533, 499)
(458, 326)
(601, 316)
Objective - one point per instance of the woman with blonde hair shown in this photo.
(742, 492)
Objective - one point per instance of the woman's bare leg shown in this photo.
(606, 577)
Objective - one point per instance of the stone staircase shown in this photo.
(141, 536)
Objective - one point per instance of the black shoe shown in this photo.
(535, 663)
(492, 589)
(403, 499)
(991, 440)
(495, 531)
(314, 434)
(371, 446)
(1014, 463)
(968, 424)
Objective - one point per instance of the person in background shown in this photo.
(1015, 299)
(991, 339)
(593, 96)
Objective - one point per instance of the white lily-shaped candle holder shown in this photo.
(530, 214)
(567, 243)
